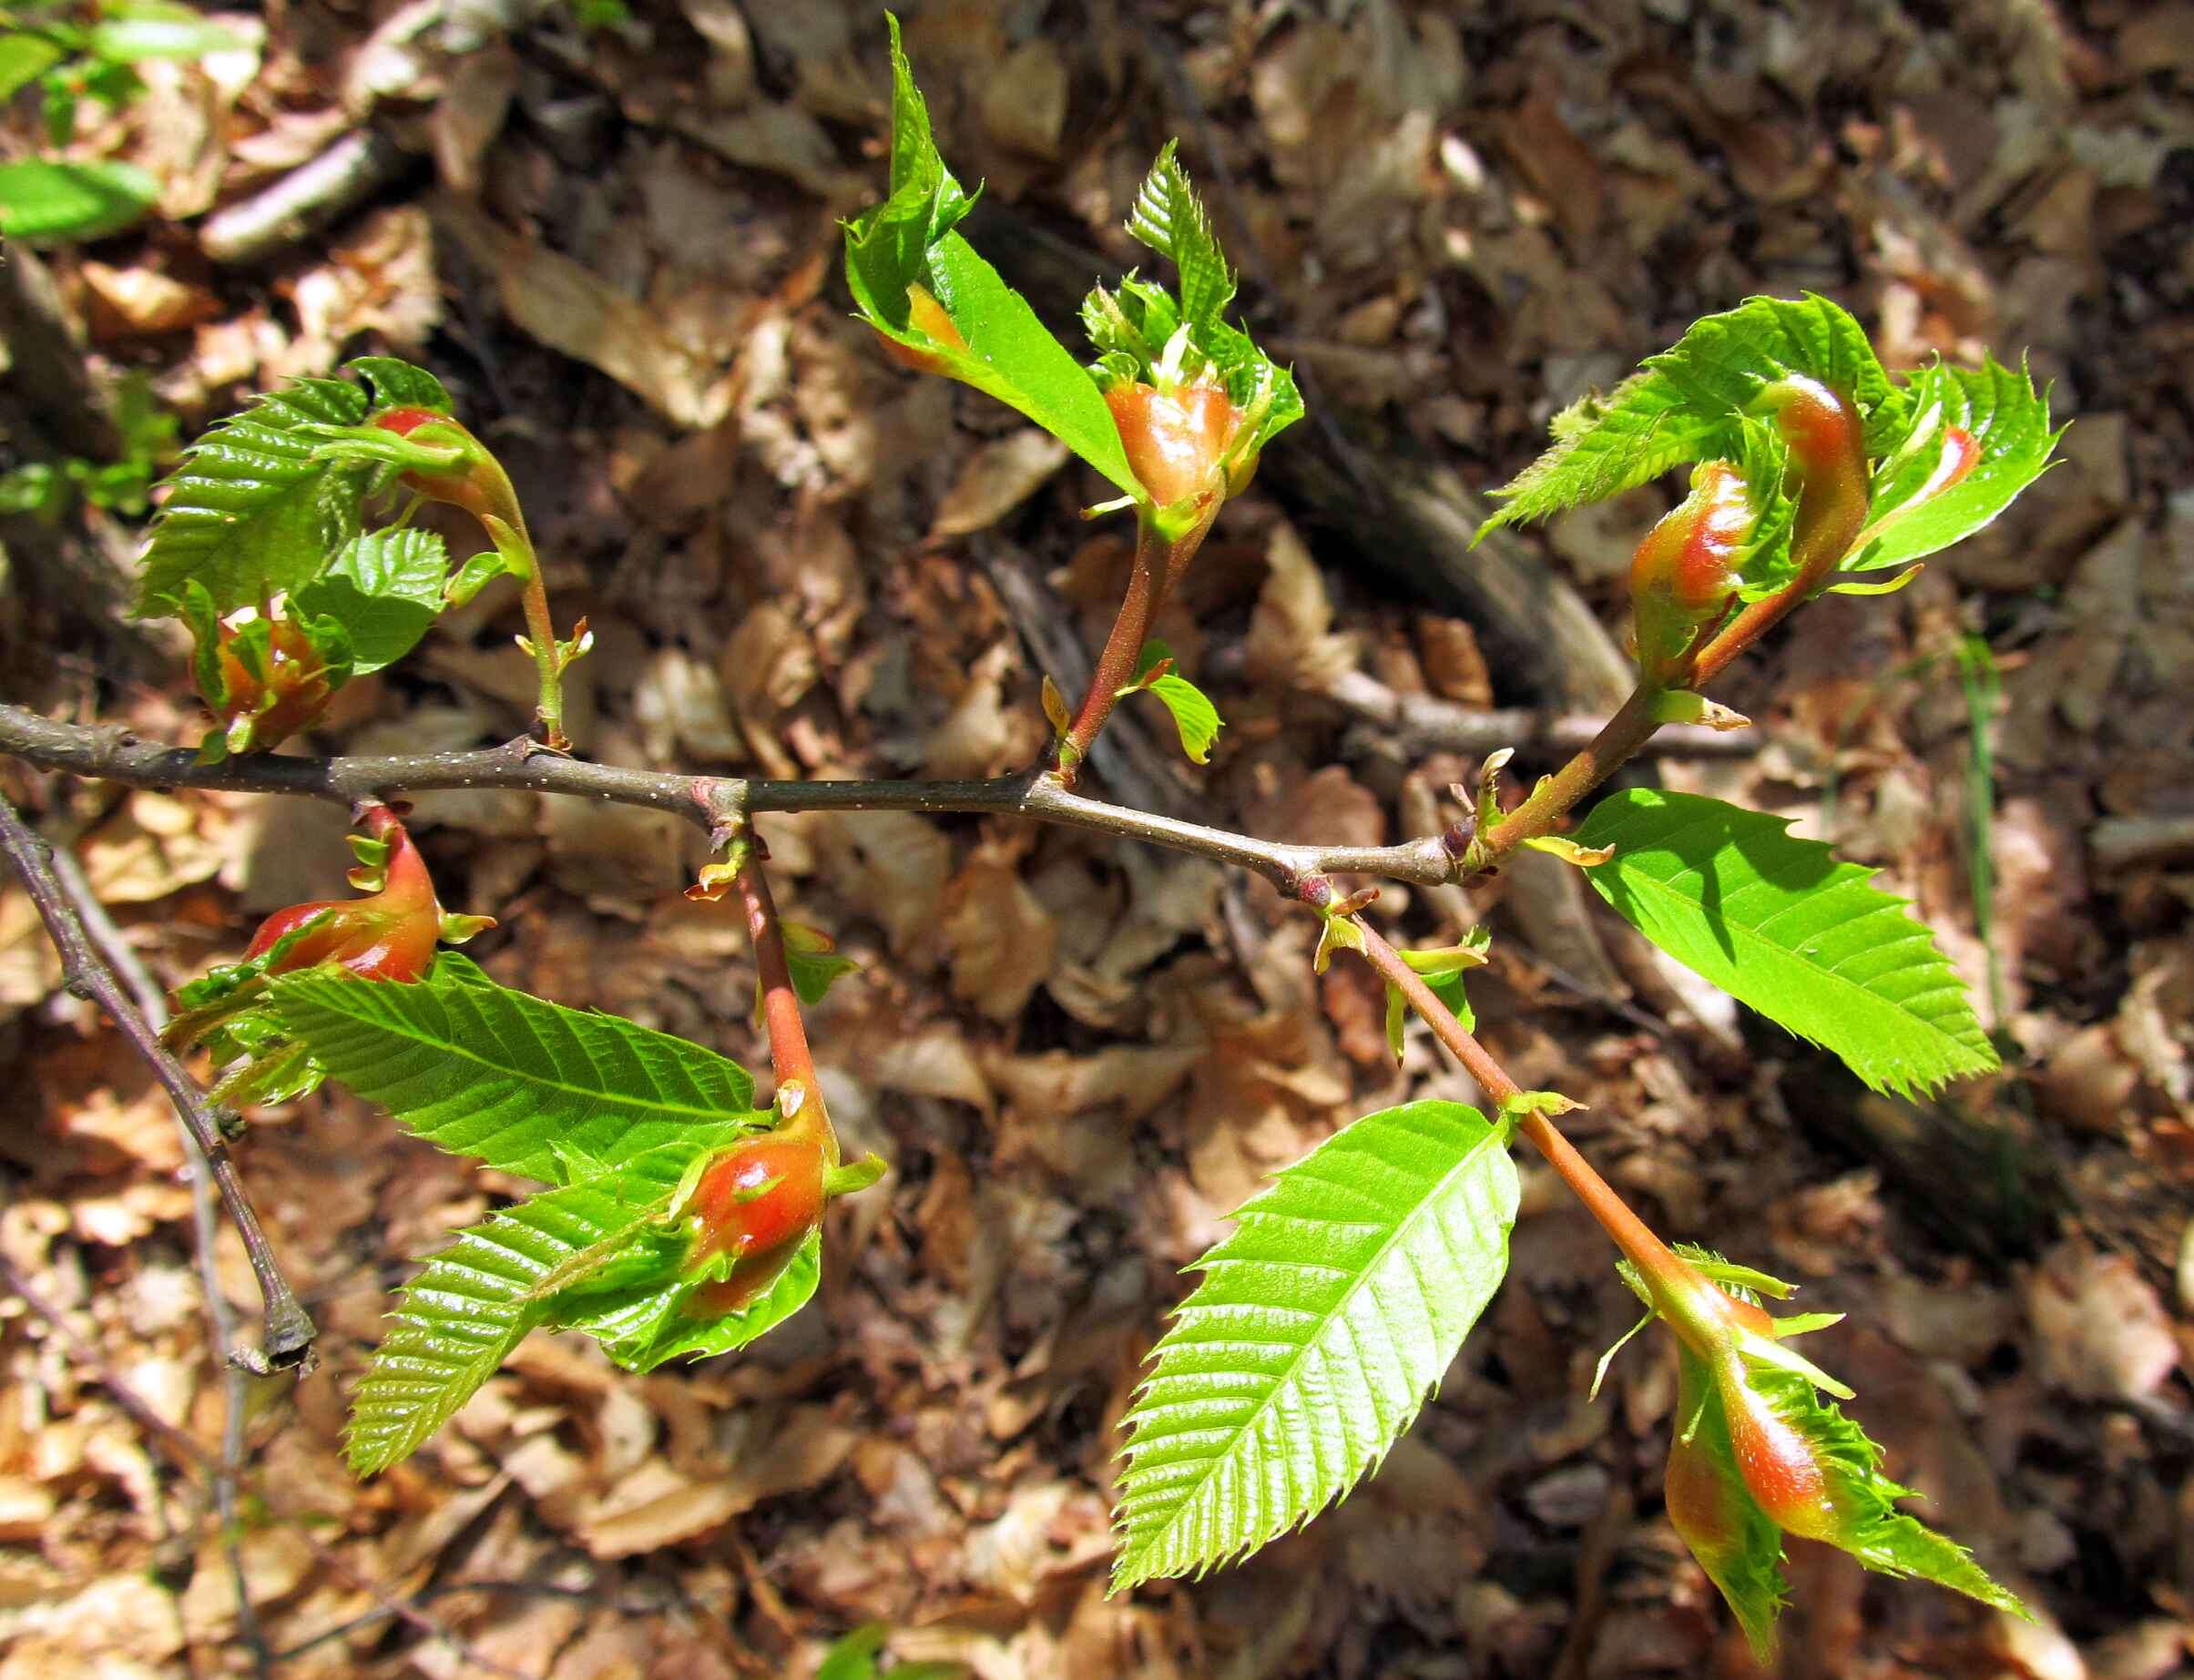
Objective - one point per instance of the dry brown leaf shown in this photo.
(143, 301)
(996, 479)
(1290, 643)
(576, 312)
(1024, 100)
(1001, 939)
(2100, 1330)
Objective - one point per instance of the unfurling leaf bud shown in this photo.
(1828, 471)
(269, 680)
(1685, 573)
(474, 480)
(1758, 1453)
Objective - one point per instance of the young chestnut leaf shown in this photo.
(511, 1079)
(1195, 718)
(925, 291)
(1785, 927)
(1317, 1329)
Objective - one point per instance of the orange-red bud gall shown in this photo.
(755, 1203)
(1176, 439)
(1686, 570)
(387, 935)
(1828, 465)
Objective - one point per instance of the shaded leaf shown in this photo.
(43, 199)
(385, 588)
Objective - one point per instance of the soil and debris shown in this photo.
(616, 240)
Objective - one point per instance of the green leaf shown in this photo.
(1169, 219)
(502, 1076)
(813, 961)
(24, 58)
(1194, 716)
(385, 589)
(647, 1322)
(250, 511)
(2010, 420)
(1688, 404)
(1724, 362)
(474, 1301)
(1004, 350)
(1784, 927)
(130, 34)
(1442, 969)
(854, 1657)
(399, 384)
(1604, 447)
(1319, 1328)
(41, 200)
(1868, 1525)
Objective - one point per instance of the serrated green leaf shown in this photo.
(1320, 1326)
(250, 511)
(1004, 350)
(1868, 1524)
(475, 1300)
(1724, 362)
(1194, 717)
(2009, 420)
(1169, 219)
(42, 200)
(1686, 403)
(1783, 926)
(385, 588)
(397, 384)
(1605, 446)
(502, 1076)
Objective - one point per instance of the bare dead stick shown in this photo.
(287, 1333)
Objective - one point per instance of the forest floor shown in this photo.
(617, 243)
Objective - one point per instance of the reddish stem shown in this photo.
(1621, 737)
(1159, 566)
(791, 1063)
(1640, 1247)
